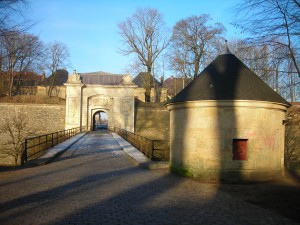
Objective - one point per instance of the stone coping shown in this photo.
(228, 103)
(32, 104)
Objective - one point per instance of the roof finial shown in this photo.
(226, 49)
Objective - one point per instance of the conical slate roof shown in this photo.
(227, 78)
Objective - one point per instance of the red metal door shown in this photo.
(239, 149)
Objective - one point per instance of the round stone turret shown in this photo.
(227, 125)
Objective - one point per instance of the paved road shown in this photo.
(95, 182)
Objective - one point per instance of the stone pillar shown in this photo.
(127, 114)
(163, 95)
(73, 101)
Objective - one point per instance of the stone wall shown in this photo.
(203, 136)
(58, 91)
(155, 94)
(43, 118)
(152, 120)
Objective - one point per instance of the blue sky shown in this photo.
(89, 28)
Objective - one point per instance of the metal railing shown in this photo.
(35, 147)
(156, 150)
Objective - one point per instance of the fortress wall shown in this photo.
(152, 120)
(42, 118)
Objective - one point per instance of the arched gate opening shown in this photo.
(100, 120)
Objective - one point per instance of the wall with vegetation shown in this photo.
(41, 119)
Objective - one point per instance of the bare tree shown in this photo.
(8, 11)
(135, 67)
(20, 53)
(272, 64)
(11, 48)
(274, 22)
(193, 41)
(144, 35)
(57, 55)
(29, 57)
(14, 129)
(179, 61)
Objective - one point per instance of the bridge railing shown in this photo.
(36, 146)
(156, 150)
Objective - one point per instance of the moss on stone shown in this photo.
(182, 171)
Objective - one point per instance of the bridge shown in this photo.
(96, 182)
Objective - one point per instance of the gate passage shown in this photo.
(100, 121)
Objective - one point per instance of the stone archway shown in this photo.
(84, 100)
(99, 103)
(100, 120)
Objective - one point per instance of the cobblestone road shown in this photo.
(94, 182)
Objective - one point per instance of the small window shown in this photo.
(239, 149)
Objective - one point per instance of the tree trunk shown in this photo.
(11, 83)
(148, 85)
(276, 81)
(52, 82)
(291, 87)
(197, 64)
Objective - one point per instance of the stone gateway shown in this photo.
(85, 99)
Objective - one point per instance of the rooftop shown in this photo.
(102, 78)
(227, 78)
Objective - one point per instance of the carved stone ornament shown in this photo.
(127, 80)
(100, 101)
(127, 107)
(74, 78)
